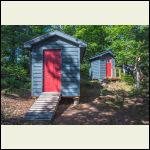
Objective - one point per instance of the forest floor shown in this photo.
(114, 104)
(14, 107)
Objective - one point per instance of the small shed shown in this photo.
(102, 66)
(55, 63)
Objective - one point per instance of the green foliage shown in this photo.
(13, 77)
(129, 43)
(14, 71)
(128, 78)
(15, 67)
(69, 29)
(11, 84)
(84, 70)
(93, 35)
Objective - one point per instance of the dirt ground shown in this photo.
(105, 110)
(114, 105)
(14, 107)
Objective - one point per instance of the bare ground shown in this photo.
(110, 109)
(14, 107)
(114, 106)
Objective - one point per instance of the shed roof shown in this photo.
(29, 43)
(101, 54)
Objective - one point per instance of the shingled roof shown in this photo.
(101, 54)
(29, 43)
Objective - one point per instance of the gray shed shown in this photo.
(102, 66)
(55, 63)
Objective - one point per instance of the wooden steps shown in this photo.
(44, 107)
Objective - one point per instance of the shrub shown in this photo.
(14, 71)
(11, 84)
(127, 78)
(84, 69)
(14, 77)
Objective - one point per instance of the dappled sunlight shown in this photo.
(116, 86)
(97, 109)
(106, 113)
(96, 101)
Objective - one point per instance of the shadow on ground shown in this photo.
(111, 107)
(105, 110)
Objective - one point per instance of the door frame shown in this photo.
(60, 67)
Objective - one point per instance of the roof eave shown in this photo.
(83, 45)
(100, 55)
(27, 46)
(29, 43)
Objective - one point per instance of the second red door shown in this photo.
(108, 67)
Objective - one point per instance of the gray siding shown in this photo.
(70, 72)
(70, 81)
(102, 69)
(113, 67)
(95, 69)
(37, 72)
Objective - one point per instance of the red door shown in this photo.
(108, 67)
(52, 71)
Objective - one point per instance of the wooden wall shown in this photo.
(70, 82)
(98, 68)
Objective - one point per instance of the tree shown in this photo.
(130, 45)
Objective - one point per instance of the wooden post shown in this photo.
(119, 73)
(124, 69)
(76, 101)
(115, 72)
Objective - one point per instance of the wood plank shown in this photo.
(44, 107)
(46, 100)
(30, 113)
(48, 97)
(43, 103)
(42, 110)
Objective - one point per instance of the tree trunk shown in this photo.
(124, 69)
(137, 79)
(13, 54)
(137, 71)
